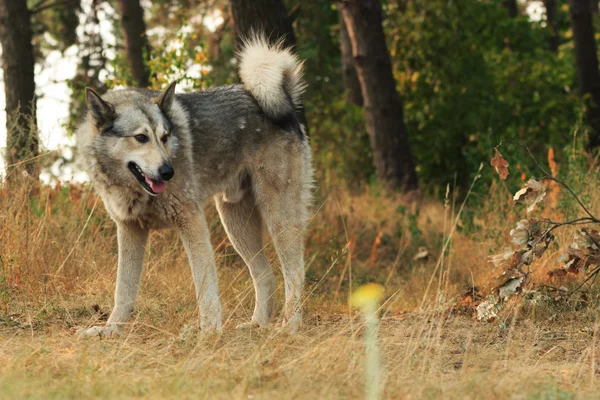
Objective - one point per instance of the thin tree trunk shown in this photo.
(552, 20)
(351, 82)
(19, 83)
(512, 7)
(268, 16)
(138, 48)
(586, 58)
(383, 105)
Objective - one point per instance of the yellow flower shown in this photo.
(367, 295)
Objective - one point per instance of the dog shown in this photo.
(155, 158)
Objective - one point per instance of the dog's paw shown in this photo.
(99, 331)
(291, 326)
(211, 317)
(211, 326)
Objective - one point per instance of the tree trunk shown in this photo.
(351, 82)
(268, 16)
(512, 7)
(138, 49)
(552, 19)
(594, 5)
(588, 76)
(19, 83)
(383, 105)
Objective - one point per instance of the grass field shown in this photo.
(57, 273)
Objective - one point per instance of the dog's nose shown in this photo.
(166, 172)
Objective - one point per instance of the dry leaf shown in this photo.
(586, 239)
(520, 235)
(500, 165)
(531, 194)
(502, 259)
(510, 287)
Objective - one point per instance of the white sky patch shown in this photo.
(54, 96)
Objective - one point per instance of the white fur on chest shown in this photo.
(124, 204)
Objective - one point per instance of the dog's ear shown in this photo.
(101, 110)
(165, 100)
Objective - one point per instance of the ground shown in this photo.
(435, 357)
(57, 271)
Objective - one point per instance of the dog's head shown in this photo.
(134, 136)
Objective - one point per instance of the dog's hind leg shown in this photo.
(196, 240)
(243, 224)
(283, 193)
(132, 239)
(287, 234)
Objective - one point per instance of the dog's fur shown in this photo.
(242, 145)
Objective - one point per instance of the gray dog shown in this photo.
(155, 158)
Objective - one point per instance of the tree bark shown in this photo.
(383, 106)
(268, 16)
(588, 76)
(351, 82)
(552, 20)
(138, 48)
(512, 7)
(19, 83)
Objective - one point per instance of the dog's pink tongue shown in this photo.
(156, 186)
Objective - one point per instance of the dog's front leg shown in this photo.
(196, 240)
(132, 241)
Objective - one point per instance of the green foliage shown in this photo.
(471, 76)
(317, 32)
(339, 140)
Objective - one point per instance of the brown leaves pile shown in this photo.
(531, 241)
(532, 238)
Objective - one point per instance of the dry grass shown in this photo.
(57, 272)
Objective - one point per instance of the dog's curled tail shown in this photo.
(272, 73)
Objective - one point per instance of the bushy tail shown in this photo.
(272, 73)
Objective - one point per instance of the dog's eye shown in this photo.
(142, 138)
(164, 139)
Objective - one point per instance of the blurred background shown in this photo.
(468, 74)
